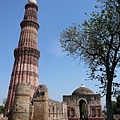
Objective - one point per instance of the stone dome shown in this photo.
(82, 90)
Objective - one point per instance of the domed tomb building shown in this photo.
(83, 104)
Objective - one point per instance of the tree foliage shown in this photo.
(116, 106)
(118, 101)
(2, 109)
(97, 43)
(116, 109)
(84, 109)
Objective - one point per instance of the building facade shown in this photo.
(83, 104)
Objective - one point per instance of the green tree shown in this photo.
(118, 105)
(118, 101)
(116, 110)
(84, 109)
(2, 107)
(114, 106)
(97, 43)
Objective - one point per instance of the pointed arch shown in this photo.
(83, 108)
(81, 99)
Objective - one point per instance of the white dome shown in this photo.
(32, 1)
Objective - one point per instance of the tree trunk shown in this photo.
(109, 110)
(108, 99)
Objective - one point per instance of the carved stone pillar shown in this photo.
(40, 103)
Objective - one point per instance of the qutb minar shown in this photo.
(25, 69)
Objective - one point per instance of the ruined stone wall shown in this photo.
(38, 108)
(40, 103)
(22, 102)
(57, 110)
(2, 117)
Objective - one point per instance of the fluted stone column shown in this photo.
(25, 69)
(21, 102)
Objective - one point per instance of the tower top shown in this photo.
(35, 1)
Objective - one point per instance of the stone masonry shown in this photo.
(40, 103)
(25, 69)
(24, 108)
(21, 105)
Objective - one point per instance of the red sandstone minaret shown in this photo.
(25, 69)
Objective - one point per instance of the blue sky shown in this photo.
(60, 73)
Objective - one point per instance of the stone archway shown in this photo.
(83, 109)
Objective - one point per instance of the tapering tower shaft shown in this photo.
(25, 69)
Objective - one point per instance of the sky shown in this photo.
(59, 72)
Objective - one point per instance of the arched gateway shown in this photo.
(83, 108)
(83, 104)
